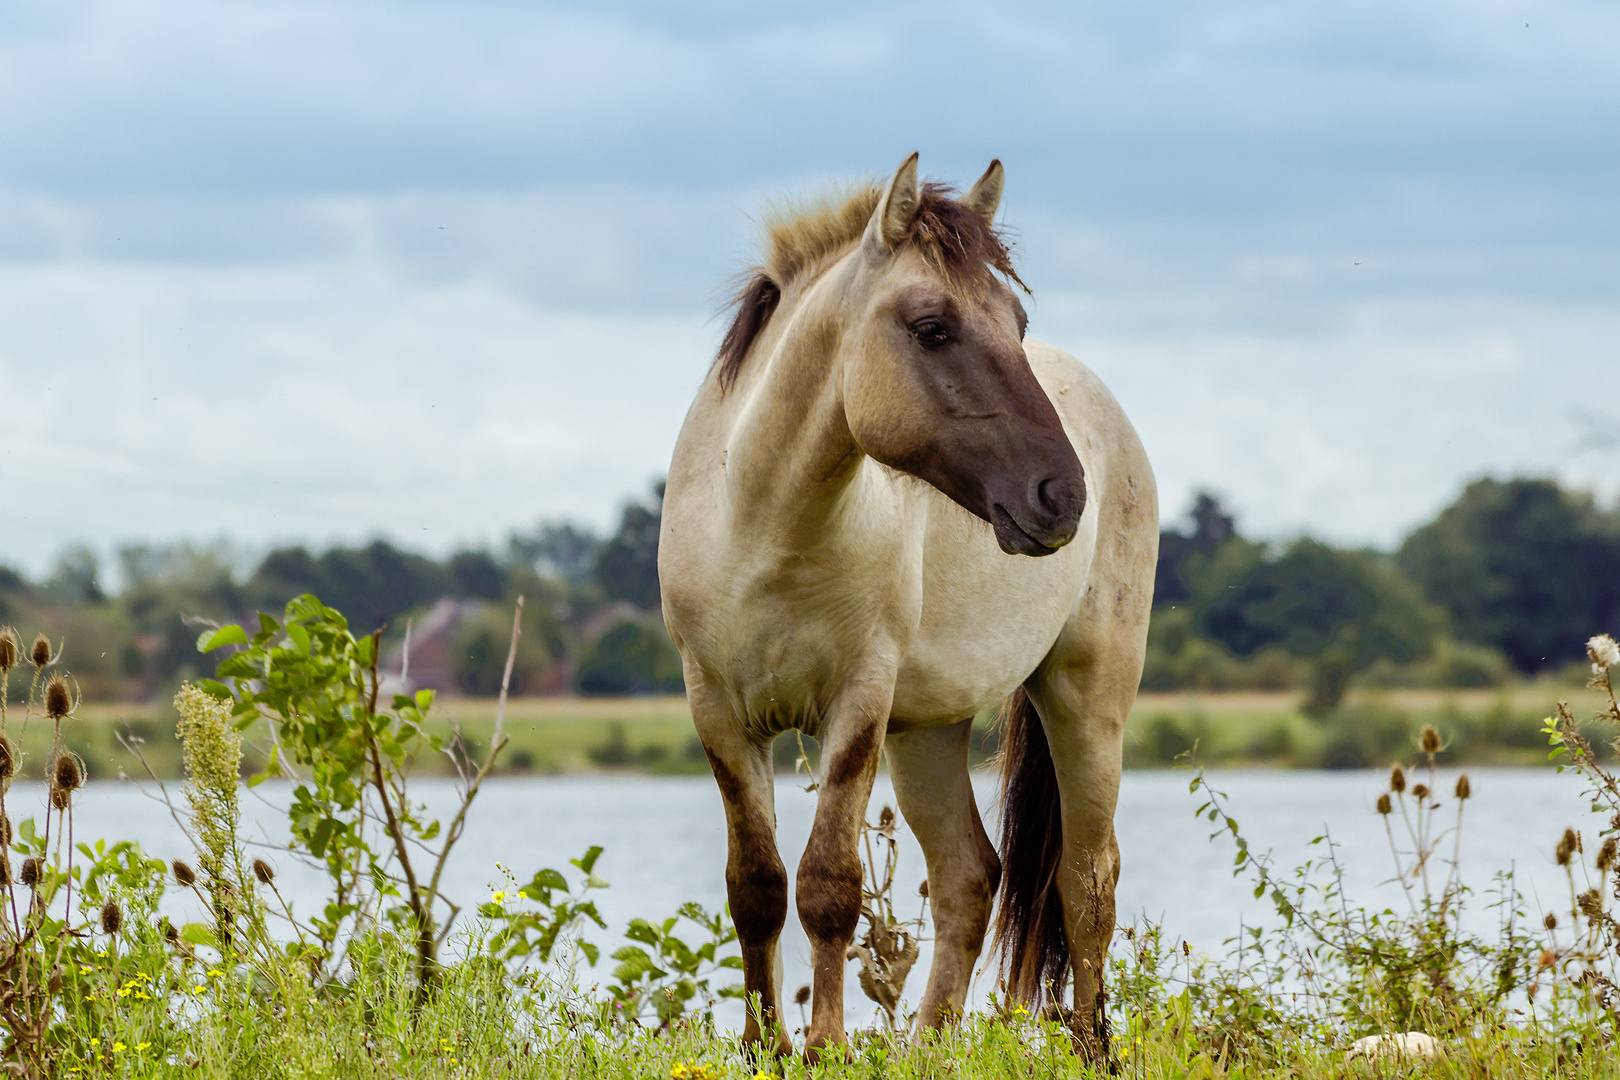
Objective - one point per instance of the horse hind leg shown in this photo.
(756, 880)
(929, 768)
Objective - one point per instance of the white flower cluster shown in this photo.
(1605, 653)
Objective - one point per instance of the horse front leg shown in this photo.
(756, 880)
(829, 881)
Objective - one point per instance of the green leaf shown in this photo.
(198, 933)
(588, 860)
(230, 634)
(591, 952)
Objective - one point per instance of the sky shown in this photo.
(322, 271)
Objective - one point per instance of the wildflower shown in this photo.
(1384, 805)
(8, 648)
(498, 896)
(32, 870)
(112, 917)
(1429, 739)
(1565, 848)
(68, 774)
(678, 1071)
(58, 699)
(141, 1046)
(1604, 652)
(1464, 788)
(263, 871)
(118, 1046)
(1397, 779)
(40, 653)
(183, 873)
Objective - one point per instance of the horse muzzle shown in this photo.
(1044, 520)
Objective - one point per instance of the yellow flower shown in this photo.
(498, 896)
(141, 1046)
(118, 1047)
(679, 1072)
(200, 988)
(215, 973)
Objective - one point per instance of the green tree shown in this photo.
(627, 565)
(1340, 609)
(1523, 566)
(633, 657)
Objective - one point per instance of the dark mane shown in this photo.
(957, 241)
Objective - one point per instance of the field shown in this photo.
(654, 734)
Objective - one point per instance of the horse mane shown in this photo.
(800, 237)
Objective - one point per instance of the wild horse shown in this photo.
(888, 511)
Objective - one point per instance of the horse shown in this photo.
(887, 512)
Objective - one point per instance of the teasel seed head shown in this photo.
(1565, 848)
(1429, 739)
(5, 870)
(1397, 779)
(1590, 903)
(922, 890)
(1420, 791)
(263, 871)
(170, 934)
(1550, 922)
(32, 870)
(802, 996)
(58, 698)
(9, 649)
(1384, 803)
(183, 873)
(8, 759)
(1606, 854)
(5, 830)
(1464, 788)
(112, 917)
(69, 774)
(61, 798)
(39, 654)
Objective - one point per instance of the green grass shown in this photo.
(654, 734)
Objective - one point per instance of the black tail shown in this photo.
(1029, 922)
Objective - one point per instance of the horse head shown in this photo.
(935, 380)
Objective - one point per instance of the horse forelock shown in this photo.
(802, 237)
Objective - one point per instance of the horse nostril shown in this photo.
(1049, 498)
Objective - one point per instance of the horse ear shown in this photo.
(985, 196)
(891, 223)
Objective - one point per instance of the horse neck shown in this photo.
(791, 457)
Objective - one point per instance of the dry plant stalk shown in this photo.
(888, 948)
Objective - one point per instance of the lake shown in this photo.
(664, 842)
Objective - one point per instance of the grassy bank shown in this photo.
(654, 734)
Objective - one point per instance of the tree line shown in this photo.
(1510, 579)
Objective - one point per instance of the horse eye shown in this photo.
(930, 332)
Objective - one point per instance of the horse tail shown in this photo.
(1029, 933)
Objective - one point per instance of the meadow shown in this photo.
(653, 734)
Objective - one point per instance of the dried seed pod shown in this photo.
(1606, 854)
(1429, 739)
(1420, 791)
(1464, 788)
(58, 699)
(1397, 779)
(5, 829)
(32, 870)
(183, 873)
(1565, 848)
(1591, 903)
(61, 798)
(922, 890)
(68, 774)
(170, 934)
(263, 871)
(39, 654)
(802, 996)
(5, 871)
(1550, 922)
(1384, 804)
(112, 917)
(8, 759)
(9, 649)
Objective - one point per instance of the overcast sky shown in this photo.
(328, 270)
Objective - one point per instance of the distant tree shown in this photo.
(1340, 609)
(475, 573)
(1521, 565)
(627, 564)
(560, 550)
(76, 578)
(14, 590)
(633, 657)
(370, 585)
(1212, 526)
